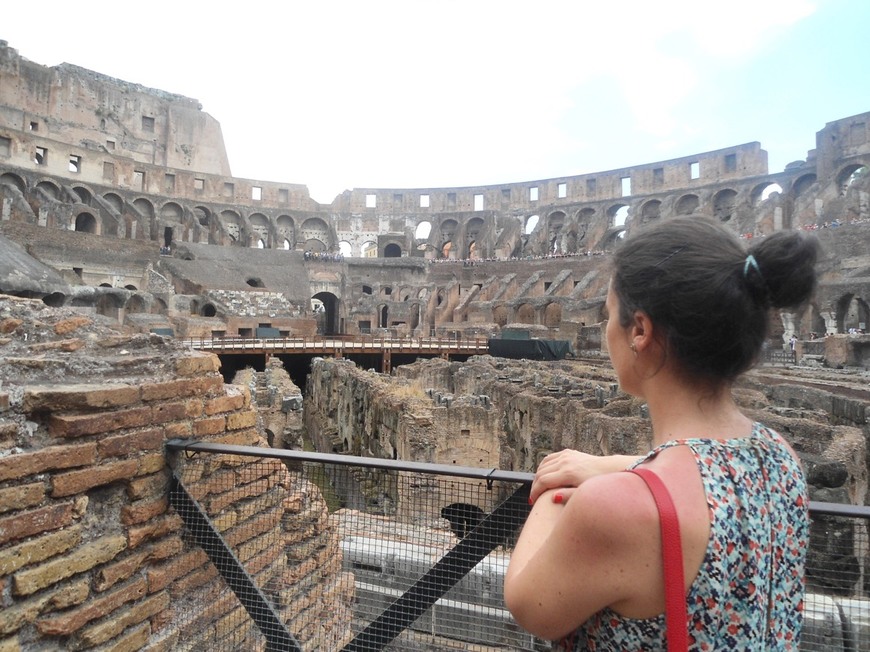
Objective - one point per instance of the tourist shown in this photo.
(688, 313)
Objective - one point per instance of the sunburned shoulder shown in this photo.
(607, 503)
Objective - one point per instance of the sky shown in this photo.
(428, 94)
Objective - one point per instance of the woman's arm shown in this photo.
(571, 561)
(569, 469)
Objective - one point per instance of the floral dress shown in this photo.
(748, 594)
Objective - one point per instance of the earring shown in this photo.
(633, 348)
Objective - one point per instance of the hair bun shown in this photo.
(783, 275)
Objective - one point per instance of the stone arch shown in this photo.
(531, 224)
(232, 223)
(651, 210)
(553, 314)
(203, 215)
(286, 231)
(144, 207)
(472, 234)
(344, 248)
(392, 250)
(109, 305)
(369, 249)
(136, 303)
(260, 228)
(171, 211)
(84, 194)
(762, 191)
(208, 309)
(852, 312)
(500, 315)
(255, 282)
(802, 184)
(423, 293)
(849, 175)
(159, 307)
(724, 203)
(327, 323)
(49, 189)
(423, 230)
(9, 179)
(448, 229)
(687, 204)
(617, 214)
(555, 226)
(114, 200)
(86, 223)
(315, 230)
(526, 314)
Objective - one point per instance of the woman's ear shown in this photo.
(641, 331)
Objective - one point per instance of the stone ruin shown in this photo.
(91, 555)
(125, 234)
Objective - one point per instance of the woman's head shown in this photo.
(708, 297)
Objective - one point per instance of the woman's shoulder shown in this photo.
(609, 501)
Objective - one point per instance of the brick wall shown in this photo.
(91, 554)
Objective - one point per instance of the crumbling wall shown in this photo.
(91, 554)
(278, 401)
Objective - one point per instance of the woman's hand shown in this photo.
(568, 469)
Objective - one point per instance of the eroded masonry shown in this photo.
(123, 233)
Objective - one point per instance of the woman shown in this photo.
(688, 312)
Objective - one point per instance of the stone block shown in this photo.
(71, 621)
(37, 549)
(132, 443)
(37, 521)
(197, 364)
(227, 403)
(143, 510)
(135, 614)
(211, 426)
(21, 496)
(21, 465)
(90, 424)
(84, 558)
(59, 398)
(154, 530)
(76, 482)
(239, 420)
(162, 575)
(207, 385)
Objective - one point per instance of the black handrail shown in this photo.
(488, 475)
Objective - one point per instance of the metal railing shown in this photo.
(333, 552)
(345, 344)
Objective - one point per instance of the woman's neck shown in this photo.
(680, 410)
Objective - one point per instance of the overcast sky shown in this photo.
(354, 94)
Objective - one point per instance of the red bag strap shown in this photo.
(676, 615)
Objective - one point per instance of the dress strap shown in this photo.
(676, 614)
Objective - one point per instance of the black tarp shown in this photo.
(530, 349)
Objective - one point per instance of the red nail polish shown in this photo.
(531, 502)
(557, 498)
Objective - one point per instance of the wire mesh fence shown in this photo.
(322, 552)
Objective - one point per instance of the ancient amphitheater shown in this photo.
(127, 249)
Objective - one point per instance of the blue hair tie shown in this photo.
(750, 262)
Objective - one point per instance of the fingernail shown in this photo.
(531, 502)
(557, 498)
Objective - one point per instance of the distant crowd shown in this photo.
(323, 256)
(470, 262)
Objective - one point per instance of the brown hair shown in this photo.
(707, 294)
